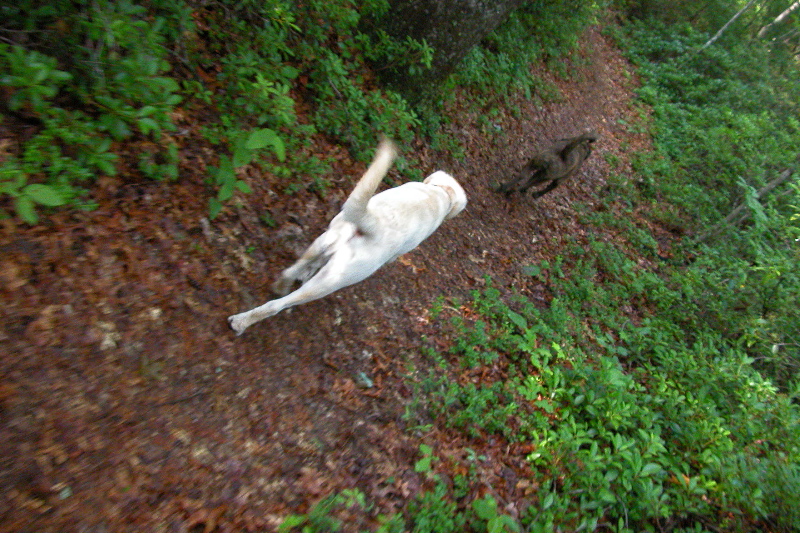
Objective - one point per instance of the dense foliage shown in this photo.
(83, 77)
(726, 124)
(95, 87)
(80, 78)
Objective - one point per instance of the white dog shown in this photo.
(369, 232)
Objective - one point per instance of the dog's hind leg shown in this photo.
(242, 321)
(326, 281)
(304, 269)
(313, 259)
(553, 184)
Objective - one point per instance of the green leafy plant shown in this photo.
(113, 90)
(725, 121)
(13, 182)
(496, 522)
(433, 511)
(615, 448)
(319, 518)
(425, 465)
(498, 67)
(43, 173)
(246, 146)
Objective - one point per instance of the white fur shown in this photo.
(369, 232)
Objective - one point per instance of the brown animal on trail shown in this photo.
(555, 164)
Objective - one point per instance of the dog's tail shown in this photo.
(355, 208)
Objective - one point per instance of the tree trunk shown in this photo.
(721, 30)
(788, 11)
(450, 27)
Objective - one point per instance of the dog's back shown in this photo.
(400, 218)
(576, 152)
(410, 213)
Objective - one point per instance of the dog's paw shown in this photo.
(237, 324)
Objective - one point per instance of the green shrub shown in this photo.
(720, 115)
(319, 519)
(500, 65)
(99, 73)
(435, 512)
(95, 79)
(632, 425)
(725, 122)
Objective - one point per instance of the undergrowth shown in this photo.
(635, 423)
(501, 65)
(86, 77)
(98, 88)
(725, 124)
(95, 75)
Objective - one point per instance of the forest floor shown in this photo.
(127, 404)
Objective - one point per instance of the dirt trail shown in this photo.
(127, 405)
